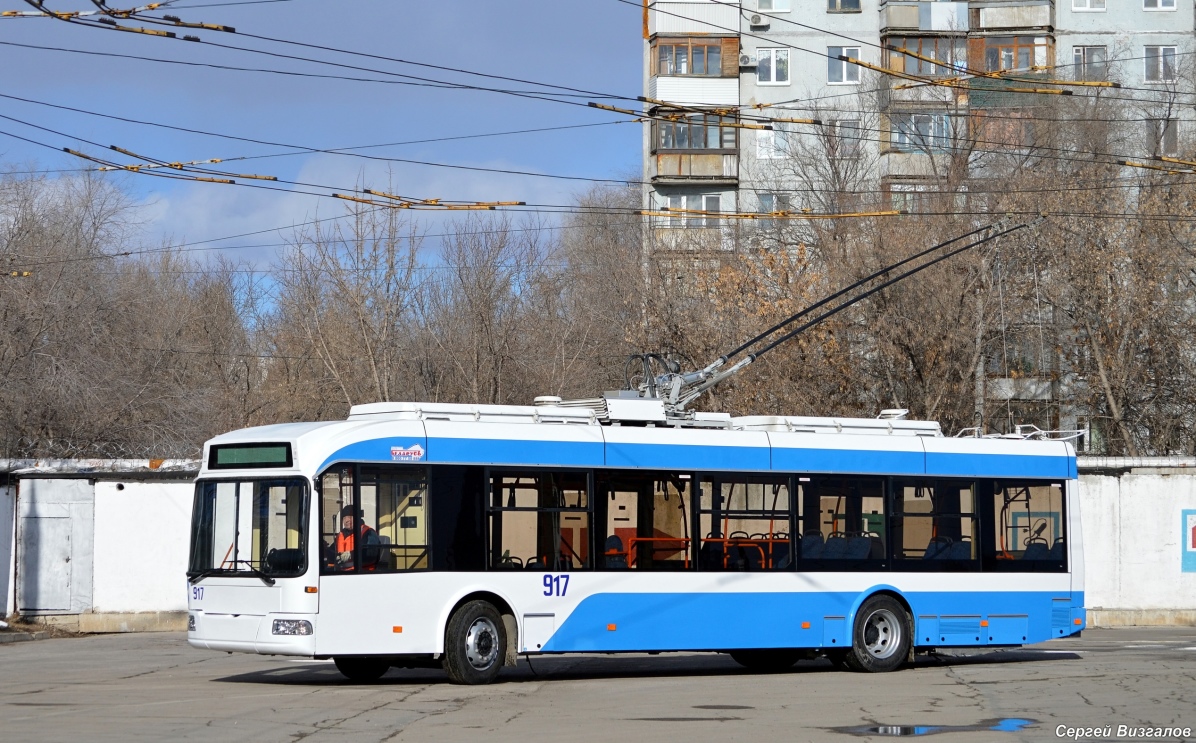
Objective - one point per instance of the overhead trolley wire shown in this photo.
(544, 95)
(851, 287)
(927, 80)
(228, 4)
(1121, 159)
(682, 389)
(1007, 75)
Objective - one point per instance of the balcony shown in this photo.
(694, 16)
(1015, 16)
(689, 168)
(694, 90)
(924, 16)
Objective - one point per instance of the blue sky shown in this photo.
(588, 44)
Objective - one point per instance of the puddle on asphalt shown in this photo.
(1006, 725)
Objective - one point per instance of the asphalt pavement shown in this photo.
(153, 686)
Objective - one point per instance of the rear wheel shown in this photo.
(880, 640)
(361, 668)
(475, 642)
(766, 661)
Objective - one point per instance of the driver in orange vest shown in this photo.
(346, 539)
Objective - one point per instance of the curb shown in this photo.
(22, 636)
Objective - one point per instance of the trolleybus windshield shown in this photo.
(254, 527)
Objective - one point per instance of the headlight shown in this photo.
(190, 622)
(291, 627)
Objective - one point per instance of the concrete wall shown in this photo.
(8, 553)
(1132, 548)
(141, 544)
(135, 555)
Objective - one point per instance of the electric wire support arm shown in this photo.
(678, 389)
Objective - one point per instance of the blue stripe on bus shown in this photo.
(709, 458)
(1000, 465)
(849, 461)
(506, 451)
(687, 457)
(379, 450)
(631, 622)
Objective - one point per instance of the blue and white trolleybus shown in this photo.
(461, 536)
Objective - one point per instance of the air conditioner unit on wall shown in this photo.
(758, 20)
(747, 60)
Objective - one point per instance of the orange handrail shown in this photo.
(765, 559)
(683, 540)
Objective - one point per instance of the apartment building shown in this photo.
(879, 133)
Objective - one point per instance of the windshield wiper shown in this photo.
(265, 578)
(200, 575)
(225, 571)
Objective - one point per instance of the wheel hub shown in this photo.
(481, 644)
(882, 634)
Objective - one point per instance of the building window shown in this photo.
(774, 6)
(1014, 52)
(920, 132)
(1088, 4)
(1160, 64)
(772, 66)
(906, 197)
(844, 137)
(773, 144)
(1089, 62)
(1164, 138)
(843, 6)
(708, 203)
(951, 55)
(696, 132)
(771, 203)
(689, 57)
(839, 71)
(1158, 4)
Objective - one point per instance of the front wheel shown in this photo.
(475, 643)
(881, 637)
(361, 669)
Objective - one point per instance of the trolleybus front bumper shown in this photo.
(248, 633)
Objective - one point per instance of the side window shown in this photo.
(539, 521)
(934, 525)
(744, 525)
(1028, 528)
(394, 506)
(457, 518)
(337, 497)
(842, 523)
(376, 525)
(647, 521)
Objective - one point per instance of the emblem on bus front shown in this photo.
(412, 453)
